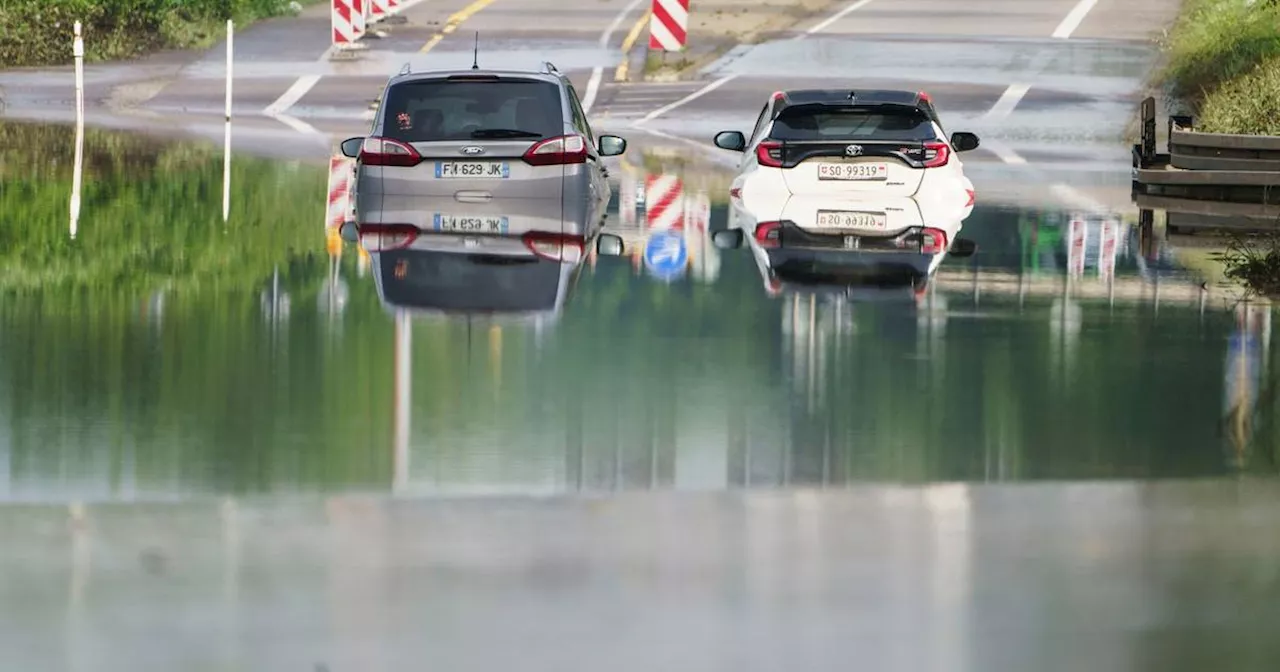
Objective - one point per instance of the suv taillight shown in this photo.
(557, 151)
(385, 237)
(936, 154)
(554, 246)
(768, 234)
(932, 241)
(769, 154)
(387, 152)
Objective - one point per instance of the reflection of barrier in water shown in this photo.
(1065, 321)
(1077, 239)
(339, 201)
(226, 143)
(275, 303)
(77, 46)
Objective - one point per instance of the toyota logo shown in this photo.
(853, 150)
(472, 150)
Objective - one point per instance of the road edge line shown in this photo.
(597, 73)
(628, 43)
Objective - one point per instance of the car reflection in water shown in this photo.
(861, 245)
(512, 259)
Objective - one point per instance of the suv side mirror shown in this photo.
(350, 232)
(611, 145)
(733, 141)
(609, 245)
(962, 247)
(351, 147)
(728, 239)
(963, 141)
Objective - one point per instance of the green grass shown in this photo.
(38, 32)
(1224, 60)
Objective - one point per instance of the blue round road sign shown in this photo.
(665, 254)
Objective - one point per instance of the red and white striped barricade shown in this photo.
(663, 202)
(669, 25)
(1108, 247)
(348, 19)
(341, 170)
(1077, 239)
(379, 10)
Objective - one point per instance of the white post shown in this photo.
(226, 144)
(77, 49)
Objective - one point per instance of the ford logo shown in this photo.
(853, 150)
(472, 150)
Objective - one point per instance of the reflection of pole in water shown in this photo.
(226, 143)
(1245, 357)
(80, 567)
(77, 46)
(403, 392)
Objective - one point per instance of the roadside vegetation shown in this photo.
(1254, 263)
(38, 32)
(1224, 61)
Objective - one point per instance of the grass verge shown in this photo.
(1224, 60)
(38, 32)
(1254, 262)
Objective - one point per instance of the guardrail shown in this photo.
(1202, 168)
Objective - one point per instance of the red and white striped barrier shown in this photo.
(341, 172)
(1077, 239)
(352, 19)
(664, 202)
(1107, 248)
(669, 25)
(379, 10)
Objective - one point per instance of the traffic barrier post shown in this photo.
(669, 25)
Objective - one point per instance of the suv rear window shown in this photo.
(439, 109)
(827, 122)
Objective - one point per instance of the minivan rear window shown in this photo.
(839, 123)
(439, 109)
(460, 282)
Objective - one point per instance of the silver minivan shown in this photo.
(469, 136)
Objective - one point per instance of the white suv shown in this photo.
(838, 142)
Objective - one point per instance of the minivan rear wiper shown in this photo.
(503, 133)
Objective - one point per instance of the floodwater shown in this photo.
(218, 411)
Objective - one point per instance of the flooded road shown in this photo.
(223, 428)
(262, 348)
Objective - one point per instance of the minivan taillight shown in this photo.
(933, 241)
(936, 154)
(554, 246)
(385, 237)
(768, 234)
(387, 152)
(769, 154)
(557, 151)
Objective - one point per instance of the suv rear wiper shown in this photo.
(503, 133)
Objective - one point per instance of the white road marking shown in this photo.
(1073, 19)
(833, 18)
(593, 84)
(1004, 152)
(859, 4)
(1008, 100)
(1076, 199)
(292, 95)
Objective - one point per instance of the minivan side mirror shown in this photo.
(733, 141)
(728, 239)
(611, 145)
(350, 231)
(609, 245)
(962, 247)
(963, 141)
(351, 147)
